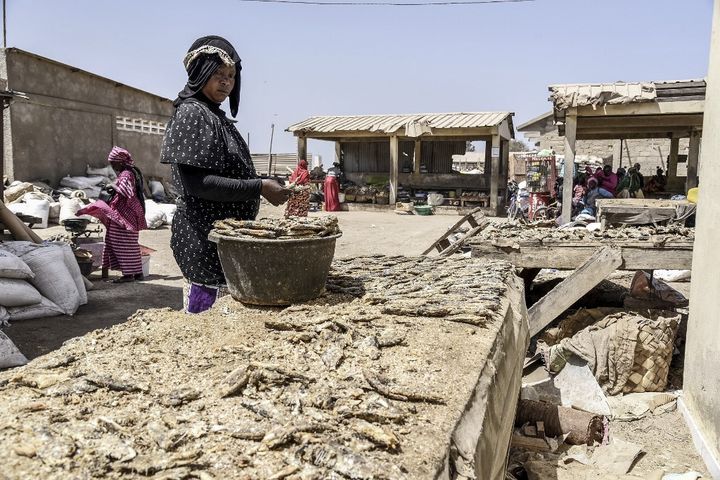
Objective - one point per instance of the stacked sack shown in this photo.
(39, 281)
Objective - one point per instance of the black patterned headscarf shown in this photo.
(202, 60)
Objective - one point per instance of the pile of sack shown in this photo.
(39, 281)
(40, 200)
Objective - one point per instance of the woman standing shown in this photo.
(299, 203)
(211, 167)
(123, 217)
(331, 189)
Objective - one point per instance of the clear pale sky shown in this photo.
(300, 61)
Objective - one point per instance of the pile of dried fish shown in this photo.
(519, 232)
(279, 228)
(366, 382)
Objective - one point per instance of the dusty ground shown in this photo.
(363, 233)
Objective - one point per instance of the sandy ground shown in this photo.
(363, 233)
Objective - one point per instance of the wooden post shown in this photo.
(338, 152)
(417, 154)
(301, 147)
(570, 129)
(2, 149)
(393, 168)
(494, 173)
(671, 174)
(692, 161)
(504, 167)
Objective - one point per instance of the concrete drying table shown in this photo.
(404, 369)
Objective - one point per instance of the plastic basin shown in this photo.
(275, 272)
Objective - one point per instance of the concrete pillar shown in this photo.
(701, 385)
(692, 161)
(394, 161)
(570, 130)
(494, 173)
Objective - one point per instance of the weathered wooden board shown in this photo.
(593, 271)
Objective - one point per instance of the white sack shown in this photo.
(106, 171)
(81, 183)
(154, 216)
(74, 270)
(672, 275)
(69, 207)
(17, 293)
(169, 210)
(45, 308)
(10, 356)
(12, 267)
(156, 188)
(52, 277)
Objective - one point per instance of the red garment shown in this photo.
(608, 182)
(124, 209)
(332, 190)
(300, 175)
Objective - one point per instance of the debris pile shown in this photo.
(367, 382)
(279, 228)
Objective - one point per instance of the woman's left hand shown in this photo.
(274, 192)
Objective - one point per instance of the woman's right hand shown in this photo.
(274, 192)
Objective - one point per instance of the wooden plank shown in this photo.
(494, 170)
(570, 133)
(471, 214)
(394, 162)
(601, 264)
(570, 258)
(461, 241)
(647, 108)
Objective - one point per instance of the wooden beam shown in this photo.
(504, 167)
(302, 148)
(592, 272)
(620, 135)
(494, 172)
(570, 131)
(646, 108)
(679, 120)
(692, 162)
(394, 166)
(570, 257)
(417, 156)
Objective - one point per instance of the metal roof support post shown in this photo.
(692, 161)
(570, 131)
(494, 173)
(394, 152)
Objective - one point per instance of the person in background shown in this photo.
(630, 185)
(123, 216)
(579, 192)
(299, 203)
(640, 175)
(332, 188)
(211, 167)
(594, 192)
(620, 172)
(607, 180)
(657, 183)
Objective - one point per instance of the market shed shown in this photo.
(620, 110)
(416, 150)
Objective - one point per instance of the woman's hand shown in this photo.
(274, 192)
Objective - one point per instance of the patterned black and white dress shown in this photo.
(199, 136)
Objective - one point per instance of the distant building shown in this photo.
(72, 118)
(282, 163)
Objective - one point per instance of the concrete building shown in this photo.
(650, 153)
(72, 118)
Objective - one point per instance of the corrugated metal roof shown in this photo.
(578, 95)
(392, 123)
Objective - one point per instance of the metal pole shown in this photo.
(272, 132)
(4, 26)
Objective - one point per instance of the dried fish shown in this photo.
(380, 436)
(380, 385)
(279, 228)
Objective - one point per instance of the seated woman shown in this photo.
(594, 192)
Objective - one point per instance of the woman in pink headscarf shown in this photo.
(123, 216)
